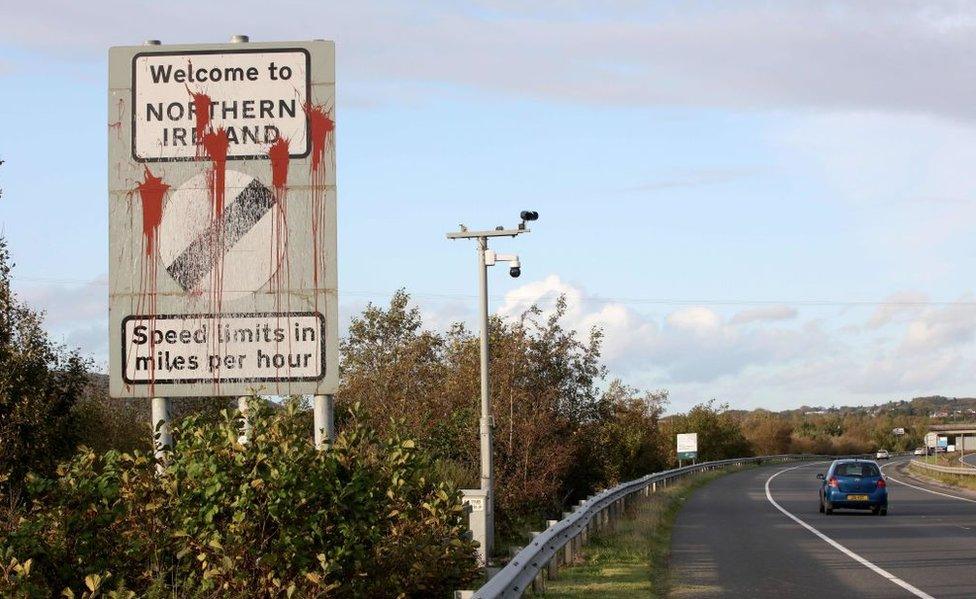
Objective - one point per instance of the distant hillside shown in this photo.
(949, 409)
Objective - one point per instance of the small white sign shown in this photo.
(687, 442)
(477, 503)
(226, 348)
(256, 96)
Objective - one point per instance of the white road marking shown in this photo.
(900, 482)
(877, 569)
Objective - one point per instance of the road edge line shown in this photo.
(864, 562)
(934, 492)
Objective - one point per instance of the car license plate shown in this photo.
(857, 497)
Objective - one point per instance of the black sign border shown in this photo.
(219, 381)
(308, 97)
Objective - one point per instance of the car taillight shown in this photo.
(881, 483)
(833, 482)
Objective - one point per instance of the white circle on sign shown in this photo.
(234, 252)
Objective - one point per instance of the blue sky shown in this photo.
(768, 204)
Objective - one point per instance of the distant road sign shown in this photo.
(687, 446)
(222, 219)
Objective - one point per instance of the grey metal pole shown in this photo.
(162, 433)
(242, 407)
(487, 474)
(324, 416)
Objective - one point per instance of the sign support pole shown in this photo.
(324, 416)
(243, 408)
(162, 433)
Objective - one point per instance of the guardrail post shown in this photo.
(552, 566)
(568, 552)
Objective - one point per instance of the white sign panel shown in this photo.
(687, 442)
(250, 347)
(222, 220)
(255, 96)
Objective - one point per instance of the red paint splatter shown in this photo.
(320, 126)
(320, 129)
(279, 155)
(215, 144)
(201, 112)
(151, 191)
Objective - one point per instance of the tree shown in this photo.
(40, 381)
(719, 433)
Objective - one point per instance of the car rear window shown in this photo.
(857, 469)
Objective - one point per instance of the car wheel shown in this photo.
(821, 506)
(828, 509)
(875, 510)
(884, 511)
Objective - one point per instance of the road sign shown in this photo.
(222, 219)
(931, 439)
(943, 441)
(687, 446)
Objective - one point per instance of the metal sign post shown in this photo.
(222, 220)
(481, 505)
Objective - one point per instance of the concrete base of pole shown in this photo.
(323, 409)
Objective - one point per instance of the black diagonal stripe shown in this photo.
(239, 216)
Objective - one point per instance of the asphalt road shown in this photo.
(730, 540)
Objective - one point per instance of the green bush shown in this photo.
(272, 517)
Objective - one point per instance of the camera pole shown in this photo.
(482, 521)
(484, 422)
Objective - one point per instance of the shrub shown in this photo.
(272, 517)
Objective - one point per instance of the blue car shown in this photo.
(853, 484)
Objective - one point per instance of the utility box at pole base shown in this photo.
(480, 519)
(222, 219)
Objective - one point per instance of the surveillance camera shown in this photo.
(529, 215)
(515, 271)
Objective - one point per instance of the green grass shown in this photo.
(632, 561)
(953, 480)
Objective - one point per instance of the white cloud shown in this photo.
(763, 314)
(74, 314)
(826, 55)
(776, 356)
(898, 307)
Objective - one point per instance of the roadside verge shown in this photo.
(633, 560)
